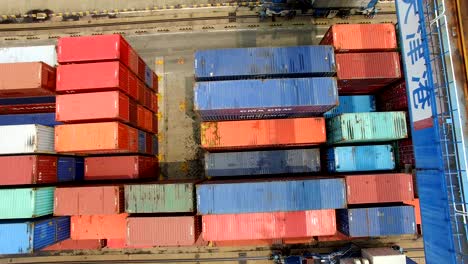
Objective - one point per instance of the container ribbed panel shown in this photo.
(44, 233)
(17, 237)
(44, 201)
(45, 139)
(26, 139)
(16, 203)
(360, 158)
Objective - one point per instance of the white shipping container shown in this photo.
(19, 139)
(46, 54)
(383, 256)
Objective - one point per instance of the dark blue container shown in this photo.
(353, 104)
(148, 76)
(262, 162)
(360, 158)
(70, 169)
(27, 100)
(155, 145)
(237, 197)
(46, 119)
(377, 221)
(259, 99)
(141, 141)
(21, 237)
(249, 63)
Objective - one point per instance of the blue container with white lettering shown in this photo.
(260, 99)
(271, 62)
(23, 237)
(360, 158)
(377, 221)
(353, 104)
(45, 119)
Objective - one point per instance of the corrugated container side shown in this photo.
(261, 226)
(363, 73)
(62, 228)
(160, 198)
(141, 141)
(120, 167)
(162, 231)
(93, 48)
(366, 127)
(102, 200)
(262, 133)
(270, 196)
(43, 201)
(379, 188)
(406, 152)
(259, 99)
(98, 226)
(28, 169)
(299, 61)
(45, 119)
(70, 169)
(103, 106)
(46, 54)
(17, 237)
(26, 79)
(262, 162)
(155, 82)
(106, 137)
(360, 158)
(361, 37)
(20, 139)
(393, 98)
(353, 104)
(70, 244)
(26, 202)
(377, 221)
(44, 233)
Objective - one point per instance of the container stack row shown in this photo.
(363, 131)
(30, 166)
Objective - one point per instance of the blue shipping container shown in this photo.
(148, 76)
(45, 119)
(258, 99)
(141, 141)
(70, 169)
(270, 196)
(262, 162)
(249, 63)
(377, 221)
(155, 145)
(360, 158)
(353, 104)
(21, 237)
(27, 100)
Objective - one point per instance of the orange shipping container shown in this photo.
(27, 79)
(107, 137)
(98, 226)
(104, 106)
(252, 134)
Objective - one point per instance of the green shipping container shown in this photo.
(26, 202)
(366, 127)
(160, 198)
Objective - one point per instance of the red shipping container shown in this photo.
(277, 225)
(89, 200)
(133, 61)
(133, 113)
(162, 231)
(252, 134)
(337, 237)
(70, 244)
(133, 86)
(155, 82)
(104, 106)
(379, 188)
(393, 98)
(361, 37)
(141, 88)
(93, 48)
(155, 124)
(361, 73)
(120, 167)
(94, 77)
(154, 103)
(106, 137)
(406, 153)
(144, 119)
(98, 226)
(148, 98)
(27, 108)
(29, 169)
(26, 79)
(141, 68)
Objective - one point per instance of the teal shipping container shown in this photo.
(26, 202)
(366, 127)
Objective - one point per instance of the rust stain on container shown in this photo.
(251, 134)
(26, 79)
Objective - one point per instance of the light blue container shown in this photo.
(377, 221)
(23, 237)
(270, 196)
(366, 127)
(360, 158)
(353, 104)
(262, 162)
(26, 202)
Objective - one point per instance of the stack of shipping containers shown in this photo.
(362, 141)
(29, 165)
